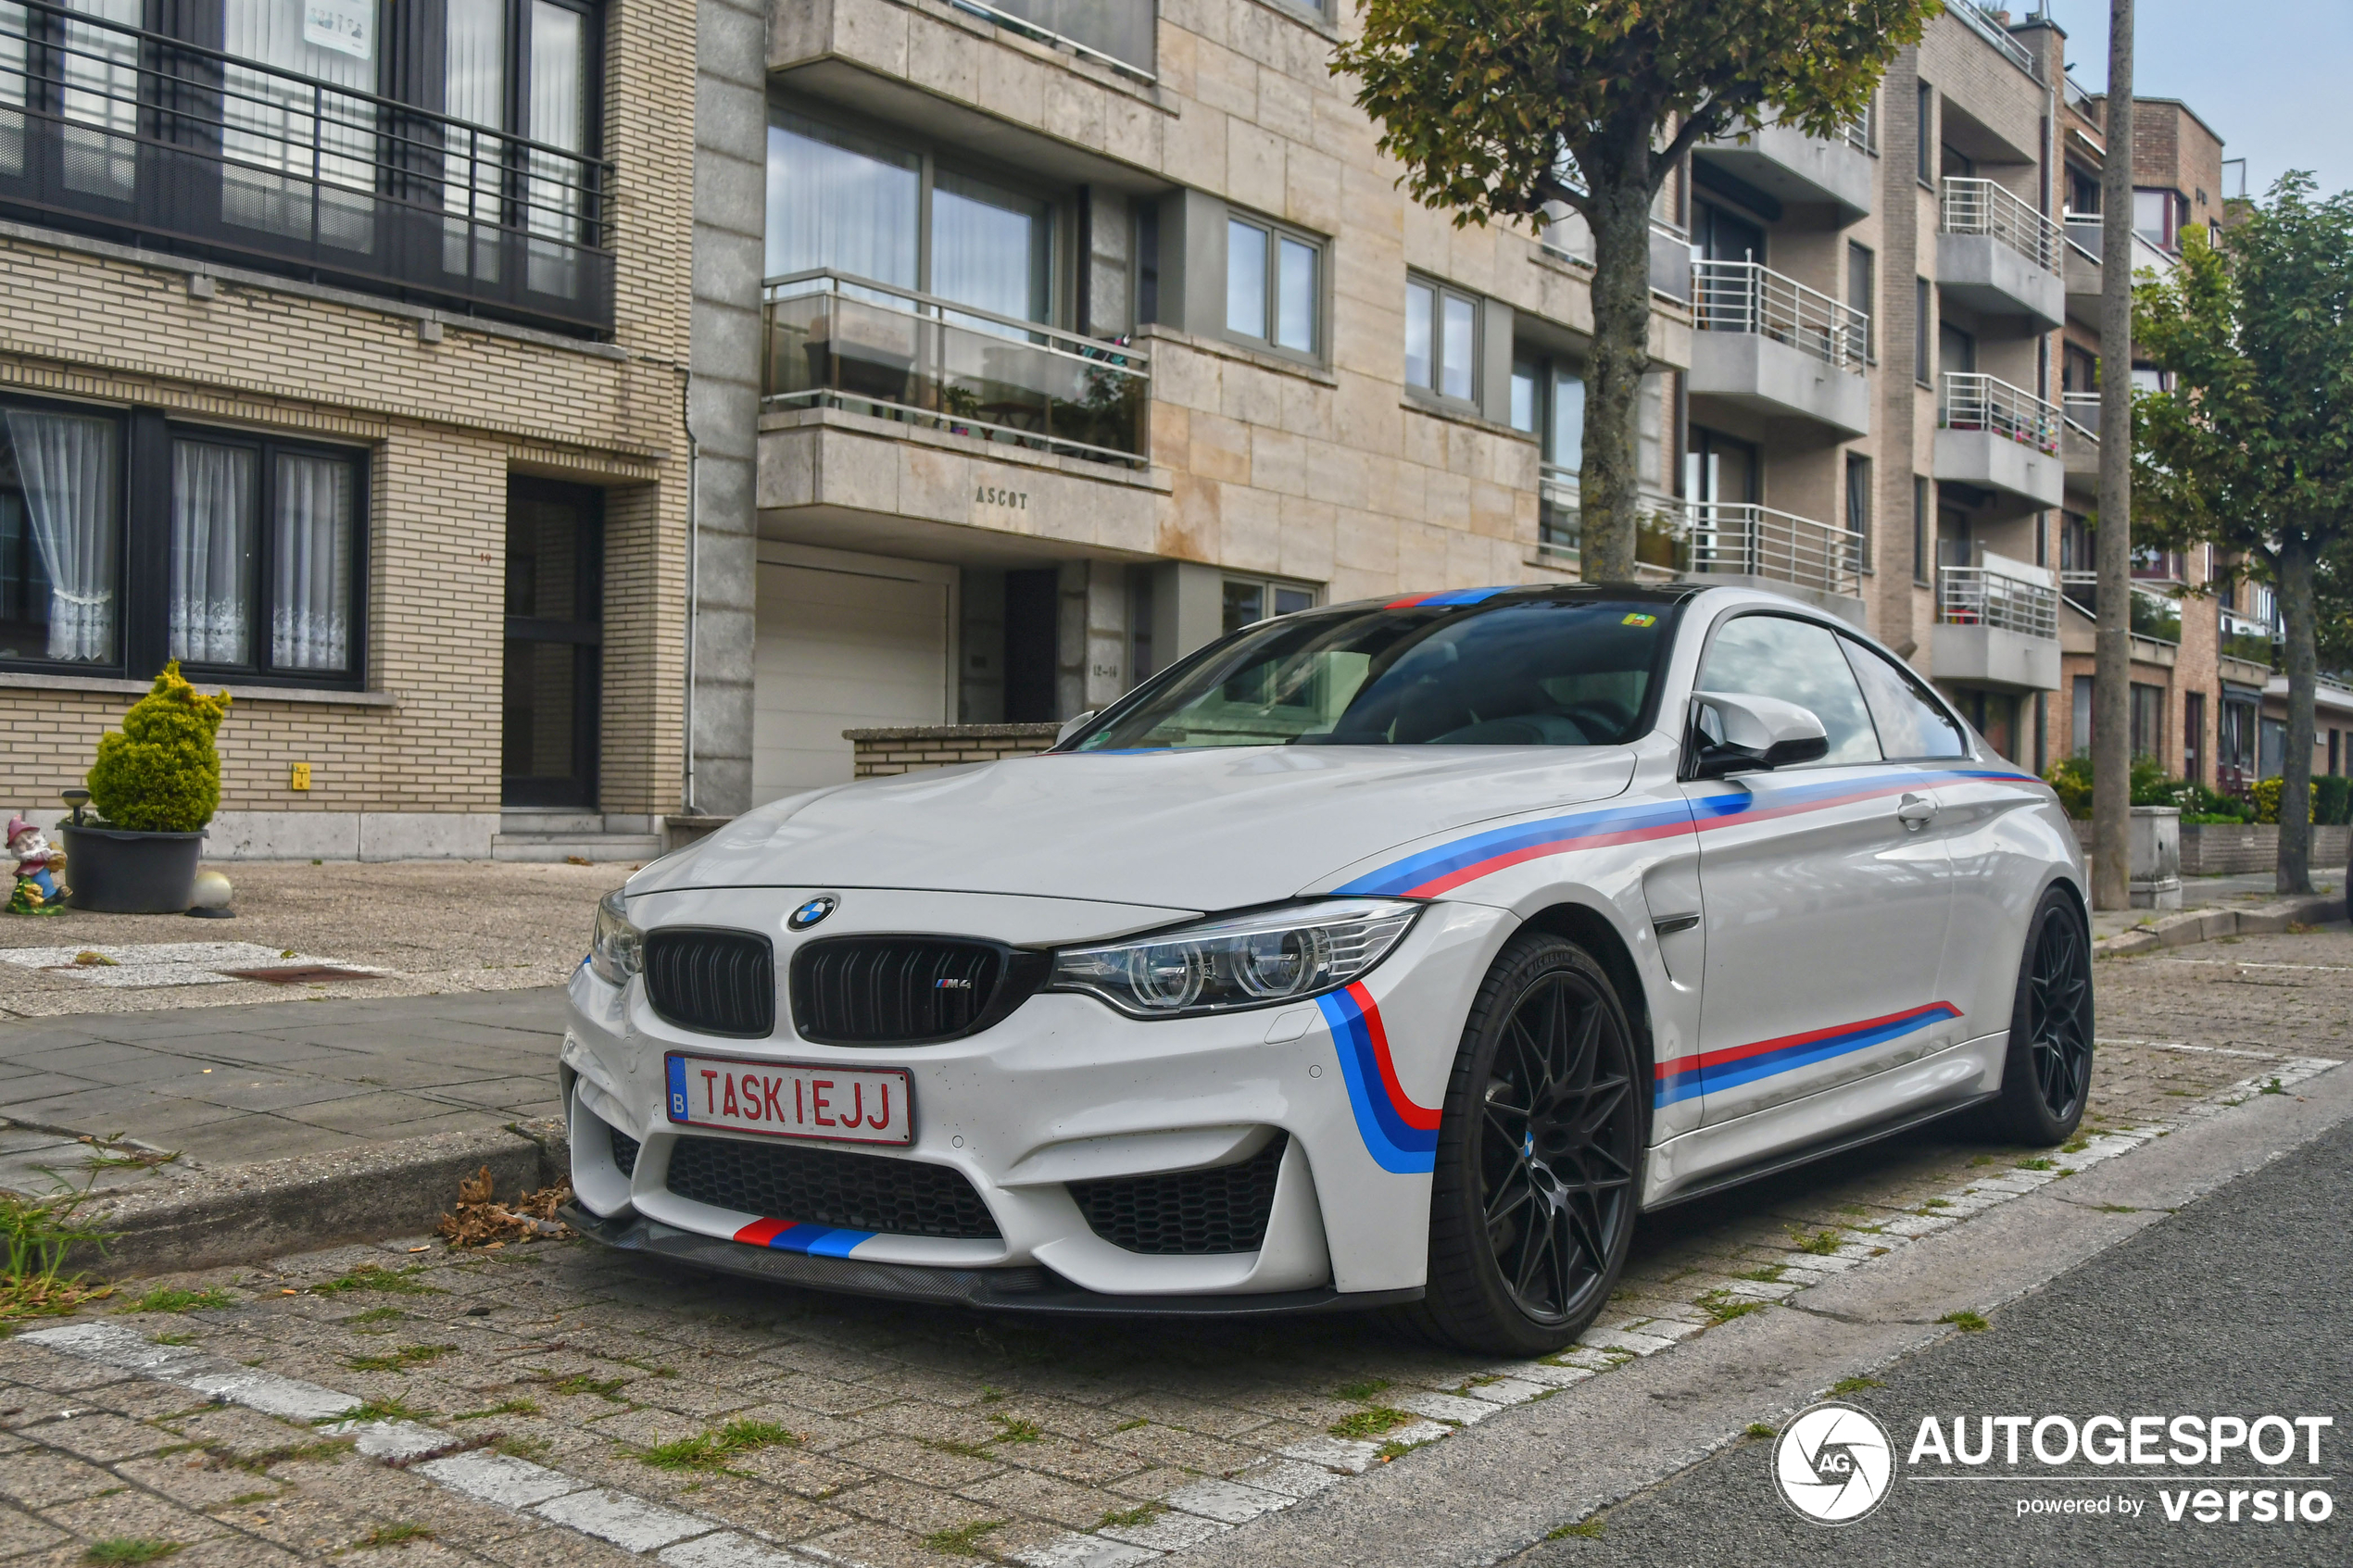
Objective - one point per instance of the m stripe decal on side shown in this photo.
(791, 1235)
(1400, 1135)
(1682, 1077)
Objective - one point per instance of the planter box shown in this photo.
(113, 870)
(2228, 849)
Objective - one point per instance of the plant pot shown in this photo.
(113, 870)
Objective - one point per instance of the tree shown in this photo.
(2251, 446)
(1504, 109)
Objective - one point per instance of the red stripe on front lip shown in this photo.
(1789, 1041)
(759, 1232)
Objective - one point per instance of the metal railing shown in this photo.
(1122, 35)
(1977, 22)
(1977, 595)
(1974, 402)
(111, 126)
(2245, 637)
(1753, 541)
(1745, 296)
(2086, 231)
(1658, 527)
(2155, 616)
(1862, 131)
(837, 341)
(1980, 206)
(2079, 98)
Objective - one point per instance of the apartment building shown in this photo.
(342, 360)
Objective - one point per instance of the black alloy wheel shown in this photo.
(1539, 1158)
(2046, 1076)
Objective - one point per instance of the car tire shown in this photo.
(1546, 1117)
(2047, 1075)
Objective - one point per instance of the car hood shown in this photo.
(1194, 830)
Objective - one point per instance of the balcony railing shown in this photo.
(1974, 16)
(1118, 34)
(1753, 541)
(2079, 98)
(1980, 206)
(2243, 637)
(841, 342)
(2082, 411)
(1986, 403)
(1743, 296)
(1977, 595)
(121, 131)
(1658, 527)
(2153, 616)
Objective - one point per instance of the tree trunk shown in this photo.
(2295, 874)
(2112, 645)
(1609, 489)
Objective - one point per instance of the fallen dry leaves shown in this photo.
(482, 1221)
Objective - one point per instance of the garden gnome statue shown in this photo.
(38, 891)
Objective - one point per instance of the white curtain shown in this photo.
(101, 71)
(276, 128)
(310, 599)
(473, 88)
(556, 192)
(15, 31)
(839, 201)
(68, 468)
(213, 529)
(987, 247)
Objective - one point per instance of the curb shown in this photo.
(2205, 925)
(233, 1214)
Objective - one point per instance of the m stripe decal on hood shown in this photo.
(1400, 1135)
(1431, 872)
(1683, 1077)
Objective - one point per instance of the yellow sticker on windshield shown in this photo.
(1638, 619)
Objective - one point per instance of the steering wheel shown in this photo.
(1604, 717)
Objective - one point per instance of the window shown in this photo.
(256, 544)
(1441, 340)
(2149, 721)
(1920, 531)
(1858, 506)
(1250, 600)
(1955, 164)
(2156, 218)
(2194, 739)
(1912, 724)
(2078, 369)
(1526, 392)
(1923, 320)
(2082, 192)
(1796, 662)
(1273, 285)
(1862, 294)
(1925, 134)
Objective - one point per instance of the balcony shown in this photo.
(1567, 236)
(132, 135)
(1793, 166)
(2154, 619)
(1998, 626)
(1999, 437)
(1122, 35)
(1978, 21)
(2080, 442)
(1770, 345)
(1560, 531)
(1996, 255)
(2250, 642)
(1757, 547)
(2084, 242)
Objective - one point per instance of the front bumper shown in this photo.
(1063, 1090)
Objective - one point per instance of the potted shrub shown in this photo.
(155, 786)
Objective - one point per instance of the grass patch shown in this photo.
(321, 1450)
(1759, 1429)
(400, 1360)
(1966, 1320)
(2037, 1165)
(1846, 1385)
(35, 1240)
(375, 1276)
(2117, 1209)
(1393, 1449)
(379, 1410)
(1128, 1518)
(521, 1447)
(132, 1549)
(1363, 1390)
(2075, 1146)
(394, 1535)
(2272, 1089)
(1371, 1423)
(1770, 1275)
(1822, 1243)
(504, 1407)
(1584, 1529)
(1012, 1429)
(1852, 1208)
(581, 1383)
(1975, 1160)
(990, 1395)
(712, 1450)
(374, 1314)
(965, 1539)
(1131, 1425)
(1936, 1203)
(1722, 1306)
(169, 1300)
(241, 1499)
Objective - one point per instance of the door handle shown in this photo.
(1914, 811)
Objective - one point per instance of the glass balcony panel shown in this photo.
(1119, 34)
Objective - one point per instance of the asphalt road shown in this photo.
(2242, 1302)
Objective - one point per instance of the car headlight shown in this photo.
(1245, 962)
(617, 950)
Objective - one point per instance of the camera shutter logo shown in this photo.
(1833, 1463)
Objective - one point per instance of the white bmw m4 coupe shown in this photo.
(1395, 954)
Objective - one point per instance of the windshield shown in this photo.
(1536, 672)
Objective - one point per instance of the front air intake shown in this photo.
(712, 982)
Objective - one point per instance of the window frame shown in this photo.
(1923, 335)
(1440, 292)
(1862, 258)
(144, 554)
(1857, 463)
(1925, 142)
(1922, 566)
(1838, 638)
(1268, 587)
(1319, 311)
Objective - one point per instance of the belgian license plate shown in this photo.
(789, 1099)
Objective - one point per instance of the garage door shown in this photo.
(842, 642)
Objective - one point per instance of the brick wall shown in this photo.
(910, 749)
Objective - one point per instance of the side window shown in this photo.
(1796, 662)
(1910, 723)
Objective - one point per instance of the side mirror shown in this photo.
(1737, 733)
(1073, 725)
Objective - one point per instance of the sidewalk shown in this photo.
(2251, 891)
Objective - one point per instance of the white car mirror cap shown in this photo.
(1073, 725)
(1759, 733)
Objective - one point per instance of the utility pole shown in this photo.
(2112, 680)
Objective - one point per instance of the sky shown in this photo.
(2268, 75)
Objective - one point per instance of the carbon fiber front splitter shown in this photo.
(1022, 1288)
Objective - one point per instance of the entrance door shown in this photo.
(554, 635)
